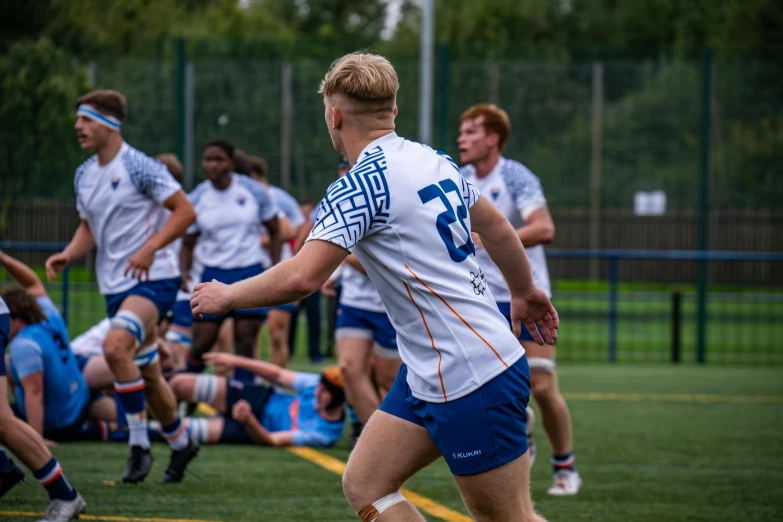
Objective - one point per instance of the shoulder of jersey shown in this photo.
(81, 169)
(136, 162)
(3, 307)
(199, 191)
(467, 170)
(250, 184)
(517, 177)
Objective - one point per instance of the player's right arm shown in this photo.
(529, 304)
(23, 275)
(27, 362)
(81, 243)
(268, 371)
(186, 257)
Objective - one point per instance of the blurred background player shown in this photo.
(65, 504)
(231, 211)
(517, 193)
(260, 413)
(121, 196)
(51, 393)
(291, 219)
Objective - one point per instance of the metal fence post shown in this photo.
(676, 322)
(596, 156)
(190, 101)
(66, 274)
(286, 124)
(704, 206)
(444, 97)
(179, 96)
(612, 355)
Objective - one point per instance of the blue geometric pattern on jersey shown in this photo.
(148, 175)
(266, 206)
(77, 179)
(444, 155)
(355, 203)
(523, 185)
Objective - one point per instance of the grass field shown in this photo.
(653, 443)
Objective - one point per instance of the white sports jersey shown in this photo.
(403, 209)
(91, 342)
(122, 202)
(229, 222)
(358, 291)
(289, 209)
(517, 193)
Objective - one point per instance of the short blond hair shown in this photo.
(173, 164)
(362, 77)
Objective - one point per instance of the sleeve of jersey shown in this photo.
(194, 197)
(470, 194)
(311, 438)
(304, 380)
(267, 208)
(26, 357)
(79, 203)
(48, 307)
(291, 209)
(527, 191)
(151, 177)
(347, 212)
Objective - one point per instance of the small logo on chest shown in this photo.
(241, 200)
(114, 182)
(495, 192)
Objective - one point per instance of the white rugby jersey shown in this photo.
(403, 210)
(122, 202)
(288, 208)
(229, 222)
(358, 291)
(91, 342)
(517, 193)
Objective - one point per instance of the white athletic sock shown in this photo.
(137, 426)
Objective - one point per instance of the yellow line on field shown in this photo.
(205, 409)
(675, 397)
(105, 518)
(425, 504)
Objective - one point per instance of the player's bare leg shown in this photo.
(278, 324)
(389, 452)
(97, 373)
(354, 356)
(245, 334)
(385, 370)
(501, 494)
(555, 417)
(201, 388)
(205, 335)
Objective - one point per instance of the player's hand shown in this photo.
(222, 359)
(477, 241)
(265, 239)
(536, 312)
(56, 264)
(139, 265)
(328, 290)
(50, 443)
(210, 298)
(241, 412)
(165, 354)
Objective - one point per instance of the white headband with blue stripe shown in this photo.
(104, 119)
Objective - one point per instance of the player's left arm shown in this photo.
(243, 413)
(268, 371)
(182, 216)
(539, 228)
(23, 274)
(33, 386)
(284, 283)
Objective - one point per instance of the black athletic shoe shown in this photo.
(11, 478)
(179, 461)
(139, 465)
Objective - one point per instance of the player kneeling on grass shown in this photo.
(258, 413)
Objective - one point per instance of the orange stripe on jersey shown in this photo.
(293, 412)
(432, 339)
(458, 316)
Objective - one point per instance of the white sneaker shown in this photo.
(531, 444)
(566, 483)
(64, 511)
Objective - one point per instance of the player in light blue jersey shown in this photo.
(65, 504)
(261, 414)
(407, 213)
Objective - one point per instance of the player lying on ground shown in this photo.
(122, 196)
(407, 213)
(517, 193)
(259, 413)
(65, 504)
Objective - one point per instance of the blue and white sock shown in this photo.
(53, 480)
(131, 395)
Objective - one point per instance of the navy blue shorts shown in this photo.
(183, 315)
(505, 309)
(162, 292)
(375, 325)
(475, 433)
(290, 308)
(5, 328)
(230, 276)
(257, 395)
(81, 362)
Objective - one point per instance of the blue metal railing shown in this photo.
(613, 258)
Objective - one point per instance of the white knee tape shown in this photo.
(197, 429)
(374, 510)
(541, 364)
(131, 323)
(146, 356)
(206, 388)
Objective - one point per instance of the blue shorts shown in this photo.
(475, 433)
(5, 328)
(372, 325)
(257, 395)
(162, 292)
(505, 309)
(291, 308)
(230, 276)
(183, 315)
(81, 362)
